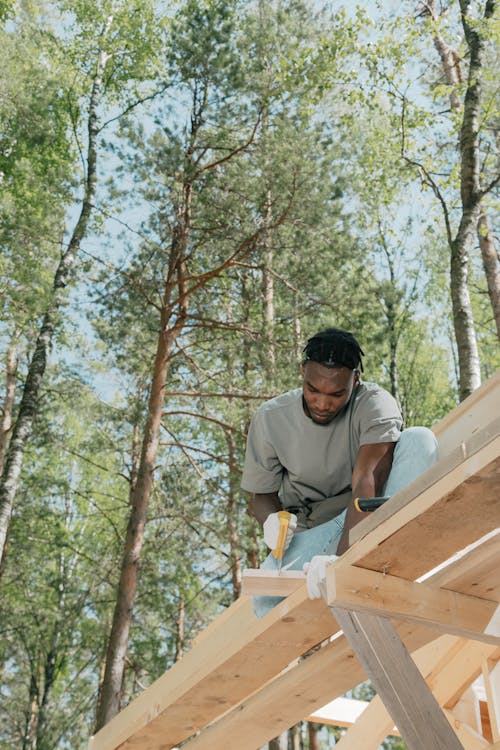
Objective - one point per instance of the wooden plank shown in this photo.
(491, 677)
(476, 571)
(364, 590)
(256, 582)
(341, 712)
(398, 681)
(240, 656)
(375, 724)
(329, 673)
(449, 684)
(470, 416)
(470, 739)
(308, 684)
(454, 495)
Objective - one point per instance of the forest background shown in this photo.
(188, 191)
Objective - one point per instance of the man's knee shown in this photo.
(415, 452)
(418, 441)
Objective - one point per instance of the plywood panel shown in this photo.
(422, 531)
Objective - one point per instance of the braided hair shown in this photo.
(334, 347)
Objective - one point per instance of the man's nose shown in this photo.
(322, 403)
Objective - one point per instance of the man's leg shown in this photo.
(304, 545)
(415, 451)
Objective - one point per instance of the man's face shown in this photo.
(326, 390)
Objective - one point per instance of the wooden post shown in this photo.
(397, 680)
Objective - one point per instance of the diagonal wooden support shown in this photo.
(398, 681)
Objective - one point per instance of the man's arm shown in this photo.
(372, 467)
(262, 505)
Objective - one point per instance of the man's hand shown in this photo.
(315, 575)
(271, 529)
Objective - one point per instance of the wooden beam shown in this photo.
(271, 583)
(398, 681)
(375, 723)
(470, 739)
(364, 590)
(450, 506)
(241, 654)
(330, 672)
(470, 416)
(341, 712)
(311, 682)
(491, 678)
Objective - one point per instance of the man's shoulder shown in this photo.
(371, 393)
(283, 402)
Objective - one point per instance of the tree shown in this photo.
(105, 75)
(472, 192)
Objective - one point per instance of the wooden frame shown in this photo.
(251, 679)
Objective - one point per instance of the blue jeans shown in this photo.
(415, 451)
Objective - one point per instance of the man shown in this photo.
(313, 450)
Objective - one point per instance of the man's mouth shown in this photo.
(321, 417)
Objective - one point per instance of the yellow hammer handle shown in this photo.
(284, 517)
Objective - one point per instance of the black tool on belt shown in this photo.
(367, 504)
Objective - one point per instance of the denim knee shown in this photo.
(419, 440)
(416, 450)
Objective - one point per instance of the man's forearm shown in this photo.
(262, 505)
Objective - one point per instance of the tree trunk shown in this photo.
(234, 541)
(490, 264)
(463, 322)
(109, 704)
(31, 722)
(179, 641)
(468, 356)
(313, 730)
(450, 60)
(279, 743)
(10, 392)
(23, 427)
(294, 737)
(252, 551)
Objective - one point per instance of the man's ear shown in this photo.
(356, 376)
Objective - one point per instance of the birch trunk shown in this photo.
(452, 69)
(468, 355)
(10, 392)
(28, 407)
(471, 195)
(490, 264)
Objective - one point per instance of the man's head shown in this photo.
(332, 359)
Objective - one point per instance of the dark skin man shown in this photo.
(325, 392)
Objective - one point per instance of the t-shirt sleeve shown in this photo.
(380, 419)
(262, 470)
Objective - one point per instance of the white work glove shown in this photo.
(272, 530)
(316, 573)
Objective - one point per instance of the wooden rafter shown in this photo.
(251, 679)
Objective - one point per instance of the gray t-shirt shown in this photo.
(311, 464)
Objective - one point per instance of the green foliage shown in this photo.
(285, 124)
